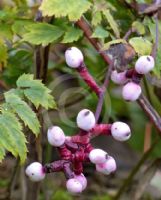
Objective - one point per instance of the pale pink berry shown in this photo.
(120, 131)
(74, 57)
(144, 64)
(86, 120)
(118, 78)
(35, 172)
(82, 179)
(108, 167)
(98, 156)
(56, 136)
(131, 91)
(74, 186)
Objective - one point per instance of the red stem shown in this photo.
(84, 73)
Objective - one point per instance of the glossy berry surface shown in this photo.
(120, 131)
(56, 136)
(74, 186)
(131, 91)
(118, 78)
(107, 167)
(86, 120)
(144, 64)
(74, 57)
(82, 179)
(35, 172)
(98, 156)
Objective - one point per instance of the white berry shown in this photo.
(74, 57)
(86, 120)
(98, 156)
(144, 64)
(120, 131)
(118, 78)
(56, 136)
(107, 167)
(131, 91)
(74, 186)
(82, 179)
(35, 171)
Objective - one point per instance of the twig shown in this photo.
(101, 97)
(144, 104)
(128, 33)
(151, 112)
(135, 170)
(12, 180)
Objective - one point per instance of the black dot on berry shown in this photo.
(86, 113)
(148, 59)
(127, 134)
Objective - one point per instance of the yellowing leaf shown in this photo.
(73, 9)
(72, 34)
(42, 33)
(139, 27)
(96, 18)
(141, 45)
(112, 22)
(107, 45)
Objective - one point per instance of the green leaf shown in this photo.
(72, 34)
(152, 28)
(3, 53)
(5, 31)
(73, 9)
(36, 91)
(18, 26)
(42, 33)
(24, 111)
(100, 32)
(107, 45)
(138, 27)
(12, 137)
(141, 45)
(112, 22)
(96, 18)
(2, 152)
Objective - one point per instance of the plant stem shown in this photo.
(143, 102)
(127, 182)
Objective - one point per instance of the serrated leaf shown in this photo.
(36, 91)
(100, 32)
(112, 22)
(73, 9)
(72, 34)
(107, 45)
(23, 111)
(42, 33)
(138, 27)
(96, 18)
(12, 135)
(142, 46)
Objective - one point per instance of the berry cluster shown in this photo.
(132, 77)
(77, 149)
